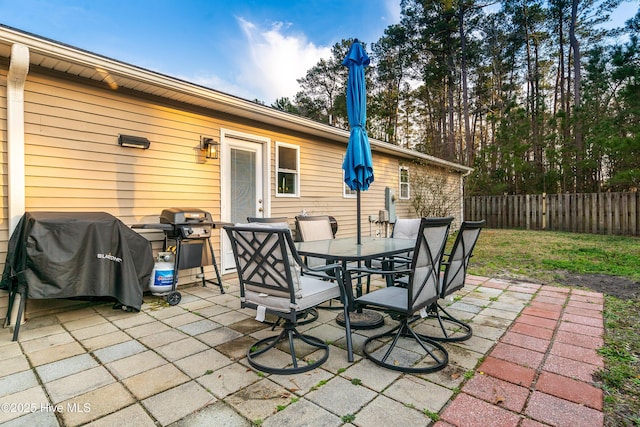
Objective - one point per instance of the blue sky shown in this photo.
(249, 48)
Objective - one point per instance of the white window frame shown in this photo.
(401, 184)
(348, 193)
(295, 172)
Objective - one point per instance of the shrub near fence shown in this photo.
(595, 213)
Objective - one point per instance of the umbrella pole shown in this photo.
(358, 216)
(361, 319)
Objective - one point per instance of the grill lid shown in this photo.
(185, 216)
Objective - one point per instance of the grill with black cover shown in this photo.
(84, 255)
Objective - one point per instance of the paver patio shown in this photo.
(529, 363)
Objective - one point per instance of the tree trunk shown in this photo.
(576, 97)
(468, 142)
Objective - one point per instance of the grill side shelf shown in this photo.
(163, 227)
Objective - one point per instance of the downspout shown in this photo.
(462, 177)
(18, 69)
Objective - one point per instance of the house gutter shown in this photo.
(18, 69)
(462, 177)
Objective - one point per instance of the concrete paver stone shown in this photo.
(529, 363)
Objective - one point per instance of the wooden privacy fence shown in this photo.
(596, 213)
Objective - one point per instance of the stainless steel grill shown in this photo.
(187, 223)
(190, 229)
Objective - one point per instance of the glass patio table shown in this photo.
(346, 250)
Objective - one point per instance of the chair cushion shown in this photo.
(319, 229)
(312, 293)
(392, 297)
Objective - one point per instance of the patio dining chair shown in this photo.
(318, 227)
(268, 268)
(307, 316)
(421, 354)
(455, 272)
(403, 228)
(310, 228)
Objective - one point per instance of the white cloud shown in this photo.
(268, 66)
(393, 9)
(275, 61)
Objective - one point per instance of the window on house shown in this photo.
(288, 164)
(348, 193)
(405, 192)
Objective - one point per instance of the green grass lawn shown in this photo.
(550, 257)
(545, 255)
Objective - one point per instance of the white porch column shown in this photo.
(18, 69)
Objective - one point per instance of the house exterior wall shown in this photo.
(73, 161)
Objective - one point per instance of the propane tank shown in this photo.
(161, 280)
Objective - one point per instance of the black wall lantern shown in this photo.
(210, 146)
(133, 141)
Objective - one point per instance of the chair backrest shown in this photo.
(310, 228)
(271, 220)
(425, 265)
(406, 228)
(456, 266)
(266, 259)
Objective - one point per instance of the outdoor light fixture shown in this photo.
(210, 146)
(133, 141)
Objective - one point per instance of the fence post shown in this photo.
(544, 211)
(587, 212)
(609, 209)
(633, 209)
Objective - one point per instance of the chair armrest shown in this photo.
(382, 272)
(319, 269)
(401, 260)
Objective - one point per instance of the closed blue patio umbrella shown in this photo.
(357, 165)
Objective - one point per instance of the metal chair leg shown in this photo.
(290, 334)
(465, 329)
(433, 351)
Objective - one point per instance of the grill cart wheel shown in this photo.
(174, 298)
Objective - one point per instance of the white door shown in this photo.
(243, 186)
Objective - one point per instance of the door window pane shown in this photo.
(243, 185)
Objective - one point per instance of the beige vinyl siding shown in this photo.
(405, 209)
(321, 187)
(73, 161)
